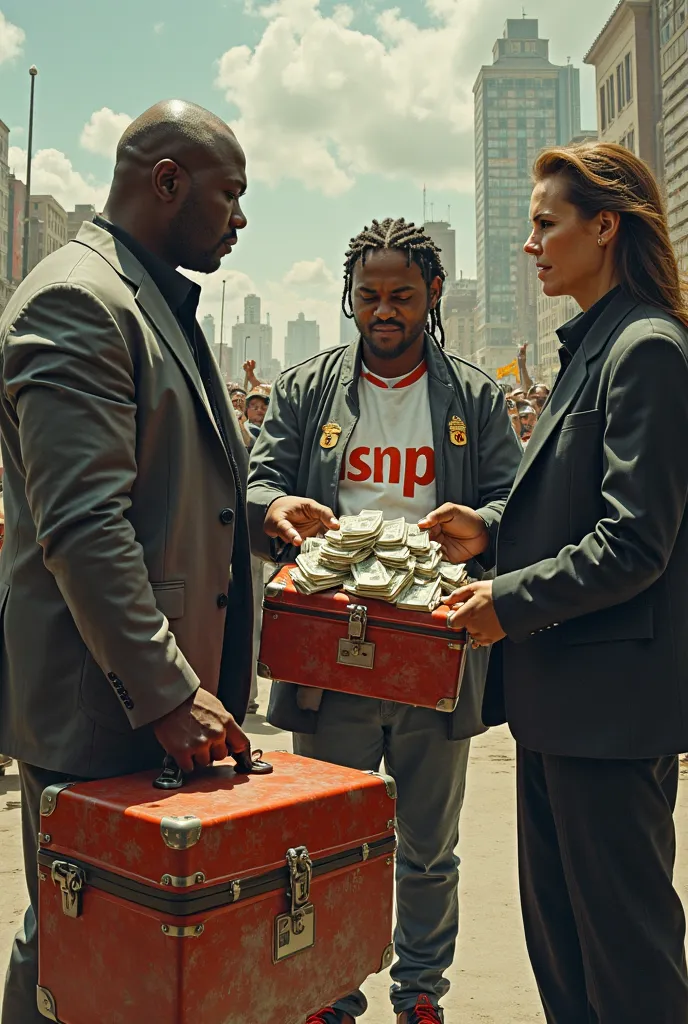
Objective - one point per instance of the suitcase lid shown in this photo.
(220, 826)
(281, 592)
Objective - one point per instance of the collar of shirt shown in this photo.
(395, 383)
(180, 294)
(573, 333)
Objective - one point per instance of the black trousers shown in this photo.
(19, 1005)
(604, 926)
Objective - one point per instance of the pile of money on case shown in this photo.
(392, 561)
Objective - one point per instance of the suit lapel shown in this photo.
(170, 333)
(573, 380)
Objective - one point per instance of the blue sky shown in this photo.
(345, 112)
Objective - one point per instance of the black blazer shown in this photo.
(592, 553)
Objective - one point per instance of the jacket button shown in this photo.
(222, 601)
(226, 516)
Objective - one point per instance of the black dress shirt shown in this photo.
(572, 334)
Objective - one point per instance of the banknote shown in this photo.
(371, 574)
(416, 539)
(393, 534)
(310, 566)
(451, 573)
(393, 557)
(421, 595)
(367, 524)
(311, 544)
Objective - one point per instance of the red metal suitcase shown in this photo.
(239, 899)
(359, 645)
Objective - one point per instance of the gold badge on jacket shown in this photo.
(330, 435)
(457, 431)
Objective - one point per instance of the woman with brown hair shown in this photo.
(591, 602)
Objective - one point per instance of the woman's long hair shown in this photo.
(605, 176)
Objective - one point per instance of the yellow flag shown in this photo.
(509, 370)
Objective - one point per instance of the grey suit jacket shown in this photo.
(288, 459)
(592, 554)
(116, 551)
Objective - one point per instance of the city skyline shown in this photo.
(303, 206)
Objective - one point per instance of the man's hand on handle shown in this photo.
(461, 532)
(475, 612)
(199, 732)
(292, 519)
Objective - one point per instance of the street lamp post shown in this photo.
(222, 320)
(33, 71)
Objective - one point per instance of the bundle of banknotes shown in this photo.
(391, 560)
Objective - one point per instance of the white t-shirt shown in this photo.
(390, 460)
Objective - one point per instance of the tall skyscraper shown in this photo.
(523, 103)
(444, 236)
(625, 56)
(251, 339)
(302, 340)
(208, 328)
(673, 15)
(15, 237)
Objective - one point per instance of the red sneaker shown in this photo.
(330, 1016)
(424, 1012)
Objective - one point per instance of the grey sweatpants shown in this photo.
(430, 772)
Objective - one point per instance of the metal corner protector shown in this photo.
(46, 1004)
(390, 784)
(387, 958)
(49, 797)
(180, 833)
(447, 704)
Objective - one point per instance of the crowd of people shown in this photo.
(143, 495)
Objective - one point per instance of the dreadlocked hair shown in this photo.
(419, 248)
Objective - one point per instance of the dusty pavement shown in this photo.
(491, 981)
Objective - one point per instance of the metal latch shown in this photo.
(355, 651)
(71, 880)
(295, 931)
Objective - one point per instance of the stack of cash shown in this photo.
(391, 561)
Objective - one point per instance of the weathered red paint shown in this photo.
(115, 965)
(298, 646)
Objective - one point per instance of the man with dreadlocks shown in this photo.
(392, 402)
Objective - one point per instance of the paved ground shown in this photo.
(491, 979)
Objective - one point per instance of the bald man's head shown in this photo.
(179, 175)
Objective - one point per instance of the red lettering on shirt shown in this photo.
(358, 469)
(394, 456)
(411, 478)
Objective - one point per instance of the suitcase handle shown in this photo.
(247, 763)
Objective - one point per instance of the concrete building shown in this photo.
(4, 198)
(625, 56)
(458, 316)
(47, 227)
(523, 103)
(673, 28)
(302, 340)
(444, 236)
(15, 237)
(208, 328)
(348, 331)
(76, 217)
(251, 339)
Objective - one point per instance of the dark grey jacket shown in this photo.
(288, 459)
(592, 585)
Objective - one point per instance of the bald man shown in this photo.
(125, 587)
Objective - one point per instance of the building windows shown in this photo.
(628, 76)
(611, 103)
(628, 140)
(620, 86)
(603, 108)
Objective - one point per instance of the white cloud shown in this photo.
(311, 275)
(11, 39)
(52, 173)
(103, 131)
(322, 103)
(159, 27)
